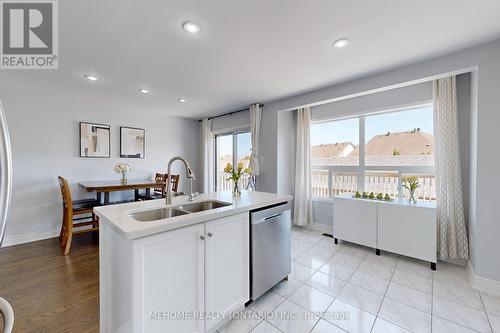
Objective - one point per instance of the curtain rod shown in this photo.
(230, 113)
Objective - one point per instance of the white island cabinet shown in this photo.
(172, 258)
(179, 274)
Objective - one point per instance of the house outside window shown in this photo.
(372, 153)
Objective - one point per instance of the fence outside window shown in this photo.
(329, 182)
(223, 184)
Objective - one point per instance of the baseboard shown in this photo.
(485, 285)
(30, 237)
(320, 227)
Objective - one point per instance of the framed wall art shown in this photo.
(95, 140)
(132, 142)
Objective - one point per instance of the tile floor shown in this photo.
(347, 288)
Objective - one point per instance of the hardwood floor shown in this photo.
(51, 292)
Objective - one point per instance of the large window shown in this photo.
(231, 148)
(373, 153)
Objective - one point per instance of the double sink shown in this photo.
(164, 213)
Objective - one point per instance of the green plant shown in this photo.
(387, 197)
(357, 195)
(380, 196)
(365, 195)
(372, 195)
(410, 183)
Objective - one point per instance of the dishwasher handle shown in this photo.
(270, 218)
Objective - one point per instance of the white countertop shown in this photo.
(419, 204)
(118, 216)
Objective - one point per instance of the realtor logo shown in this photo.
(29, 34)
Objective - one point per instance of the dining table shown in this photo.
(105, 187)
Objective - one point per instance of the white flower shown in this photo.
(122, 168)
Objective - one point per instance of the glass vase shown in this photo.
(411, 199)
(236, 189)
(124, 178)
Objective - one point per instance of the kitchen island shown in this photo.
(176, 268)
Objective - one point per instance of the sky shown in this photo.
(348, 129)
(225, 144)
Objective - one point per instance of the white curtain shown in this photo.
(452, 234)
(255, 120)
(302, 210)
(208, 156)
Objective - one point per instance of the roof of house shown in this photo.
(413, 142)
(330, 149)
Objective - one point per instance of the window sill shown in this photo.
(325, 200)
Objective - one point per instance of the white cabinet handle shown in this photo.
(210, 234)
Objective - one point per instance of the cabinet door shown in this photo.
(355, 220)
(226, 265)
(408, 230)
(169, 280)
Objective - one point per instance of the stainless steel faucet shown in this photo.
(189, 175)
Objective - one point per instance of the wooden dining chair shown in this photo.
(160, 191)
(74, 211)
(174, 181)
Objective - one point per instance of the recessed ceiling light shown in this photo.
(182, 100)
(341, 43)
(191, 27)
(144, 91)
(91, 77)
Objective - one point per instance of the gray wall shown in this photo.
(484, 211)
(45, 144)
(287, 136)
(381, 101)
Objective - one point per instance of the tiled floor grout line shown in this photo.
(334, 297)
(385, 295)
(273, 325)
(458, 324)
(452, 301)
(340, 291)
(486, 312)
(337, 296)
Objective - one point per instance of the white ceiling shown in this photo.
(248, 51)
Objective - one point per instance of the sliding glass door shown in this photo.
(231, 148)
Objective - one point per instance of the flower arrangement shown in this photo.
(235, 174)
(123, 169)
(410, 183)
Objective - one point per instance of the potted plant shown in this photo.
(235, 174)
(123, 169)
(410, 183)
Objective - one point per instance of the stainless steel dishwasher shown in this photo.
(271, 247)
